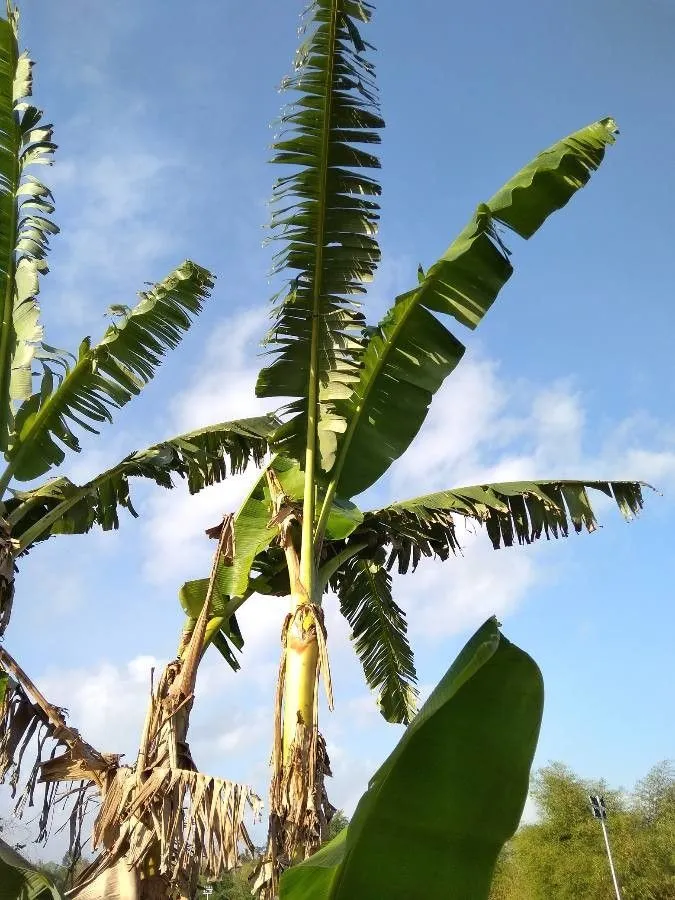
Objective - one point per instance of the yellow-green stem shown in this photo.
(302, 658)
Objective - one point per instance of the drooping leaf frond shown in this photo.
(512, 512)
(379, 634)
(106, 375)
(410, 353)
(325, 214)
(427, 526)
(203, 457)
(26, 205)
(407, 358)
(222, 629)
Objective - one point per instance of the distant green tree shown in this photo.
(335, 826)
(650, 870)
(654, 796)
(235, 885)
(562, 856)
(63, 873)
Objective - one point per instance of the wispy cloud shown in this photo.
(118, 228)
(481, 428)
(220, 388)
(107, 702)
(86, 40)
(444, 599)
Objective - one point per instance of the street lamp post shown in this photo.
(600, 812)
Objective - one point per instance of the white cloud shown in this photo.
(530, 813)
(480, 429)
(221, 388)
(86, 32)
(106, 703)
(175, 546)
(352, 768)
(467, 414)
(118, 229)
(443, 599)
(67, 594)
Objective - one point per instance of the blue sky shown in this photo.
(162, 116)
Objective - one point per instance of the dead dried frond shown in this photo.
(118, 882)
(161, 823)
(162, 818)
(180, 822)
(227, 545)
(29, 723)
(24, 710)
(191, 646)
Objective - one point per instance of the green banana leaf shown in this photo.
(20, 881)
(439, 809)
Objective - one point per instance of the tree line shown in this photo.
(562, 855)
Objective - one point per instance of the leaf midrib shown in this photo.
(8, 302)
(307, 563)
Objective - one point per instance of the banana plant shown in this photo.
(49, 397)
(358, 396)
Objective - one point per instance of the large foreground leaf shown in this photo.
(438, 811)
(409, 354)
(20, 881)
